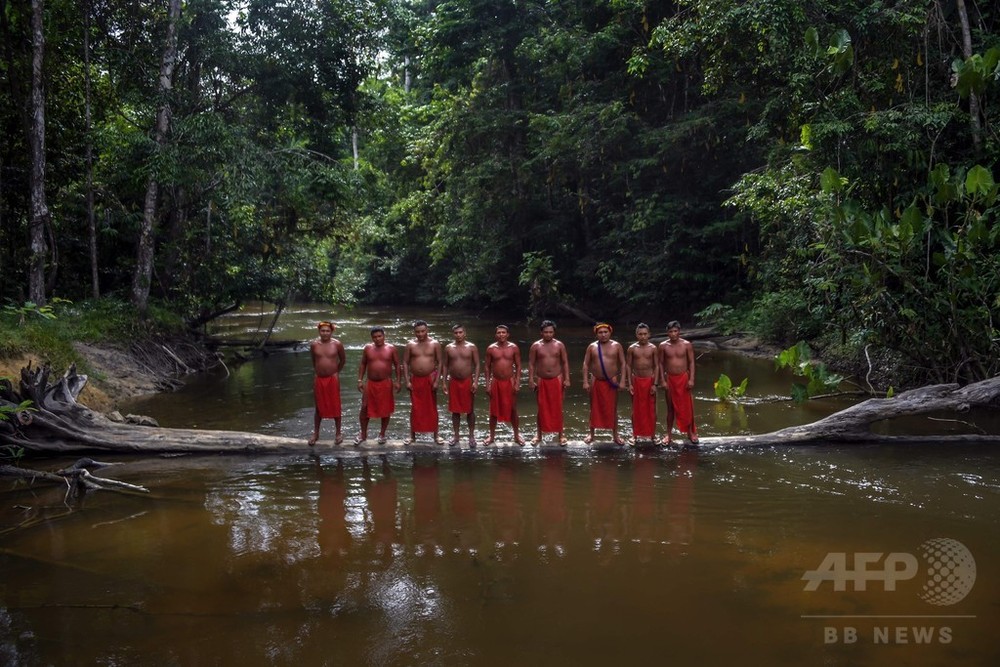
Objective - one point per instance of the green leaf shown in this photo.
(805, 137)
(842, 51)
(830, 181)
(812, 42)
(979, 180)
(722, 387)
(940, 174)
(991, 61)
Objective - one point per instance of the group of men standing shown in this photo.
(427, 365)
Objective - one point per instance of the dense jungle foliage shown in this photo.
(804, 168)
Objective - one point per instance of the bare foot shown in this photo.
(589, 439)
(563, 442)
(340, 439)
(313, 440)
(519, 440)
(489, 440)
(619, 442)
(536, 440)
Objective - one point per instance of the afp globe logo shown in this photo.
(951, 571)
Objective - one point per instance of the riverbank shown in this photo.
(123, 354)
(116, 373)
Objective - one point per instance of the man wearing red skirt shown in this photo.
(328, 360)
(643, 366)
(677, 367)
(548, 376)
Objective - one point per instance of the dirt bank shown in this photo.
(116, 373)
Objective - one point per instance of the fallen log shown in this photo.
(59, 424)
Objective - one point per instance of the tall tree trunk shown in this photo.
(36, 141)
(354, 145)
(95, 288)
(974, 121)
(144, 252)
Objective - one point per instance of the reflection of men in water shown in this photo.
(604, 518)
(461, 377)
(426, 501)
(380, 364)
(507, 518)
(328, 360)
(603, 368)
(644, 505)
(463, 507)
(423, 362)
(334, 537)
(677, 367)
(381, 495)
(552, 502)
(642, 362)
(548, 377)
(680, 521)
(503, 381)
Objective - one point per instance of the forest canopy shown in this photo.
(802, 168)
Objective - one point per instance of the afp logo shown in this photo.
(949, 568)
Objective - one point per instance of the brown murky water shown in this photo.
(490, 558)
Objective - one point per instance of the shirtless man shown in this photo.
(423, 363)
(328, 360)
(643, 365)
(503, 381)
(677, 371)
(604, 363)
(548, 377)
(461, 376)
(380, 363)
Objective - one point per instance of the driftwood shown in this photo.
(58, 424)
(853, 424)
(76, 477)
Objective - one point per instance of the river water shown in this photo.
(503, 555)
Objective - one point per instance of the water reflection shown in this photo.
(426, 506)
(443, 560)
(605, 518)
(333, 537)
(382, 494)
(413, 507)
(680, 519)
(553, 515)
